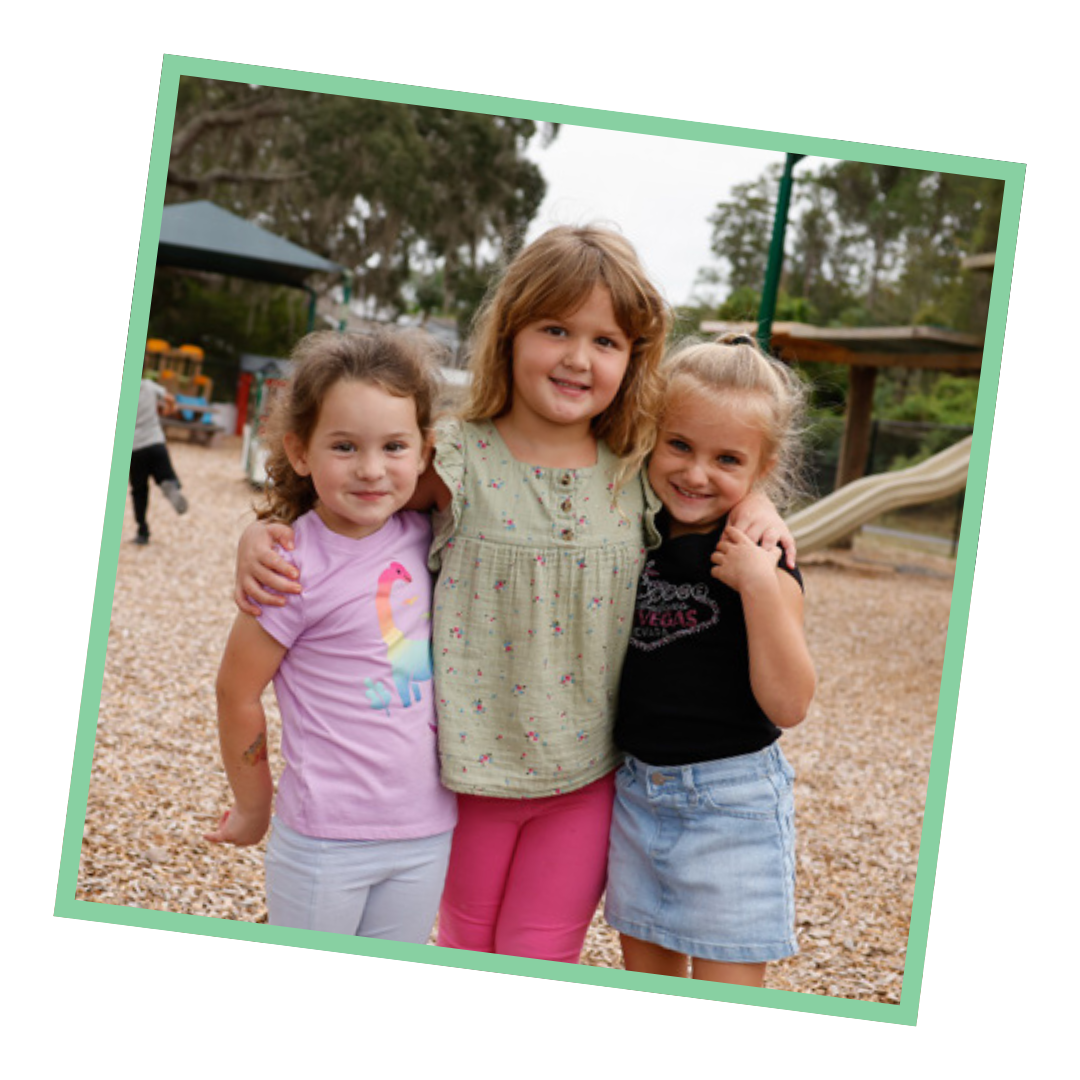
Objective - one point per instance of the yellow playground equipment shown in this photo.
(179, 370)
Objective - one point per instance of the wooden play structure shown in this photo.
(179, 371)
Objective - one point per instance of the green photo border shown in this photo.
(1012, 173)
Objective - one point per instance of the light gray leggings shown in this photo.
(387, 889)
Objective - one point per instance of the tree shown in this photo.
(742, 227)
(217, 137)
(483, 194)
(867, 244)
(376, 186)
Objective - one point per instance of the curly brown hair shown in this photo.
(401, 363)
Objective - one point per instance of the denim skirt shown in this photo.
(702, 857)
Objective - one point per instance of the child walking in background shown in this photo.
(150, 457)
(362, 826)
(702, 861)
(541, 529)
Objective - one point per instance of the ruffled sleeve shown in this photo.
(449, 462)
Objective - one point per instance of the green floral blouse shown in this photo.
(534, 601)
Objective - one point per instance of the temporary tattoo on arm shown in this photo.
(256, 752)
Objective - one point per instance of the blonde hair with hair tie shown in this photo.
(733, 371)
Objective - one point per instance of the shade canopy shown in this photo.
(202, 236)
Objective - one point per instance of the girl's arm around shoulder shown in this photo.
(431, 491)
(261, 567)
(782, 673)
(251, 660)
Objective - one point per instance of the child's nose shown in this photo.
(695, 473)
(577, 354)
(369, 465)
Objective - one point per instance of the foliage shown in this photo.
(225, 316)
(742, 227)
(945, 399)
(743, 303)
(866, 245)
(383, 188)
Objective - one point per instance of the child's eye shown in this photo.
(678, 444)
(555, 331)
(728, 459)
(395, 447)
(607, 343)
(343, 447)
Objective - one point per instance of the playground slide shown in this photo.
(841, 513)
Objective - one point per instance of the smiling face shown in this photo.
(364, 457)
(568, 370)
(709, 454)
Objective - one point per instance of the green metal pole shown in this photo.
(767, 310)
(310, 308)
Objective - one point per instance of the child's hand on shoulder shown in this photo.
(740, 563)
(756, 516)
(260, 567)
(240, 827)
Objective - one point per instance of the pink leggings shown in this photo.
(526, 875)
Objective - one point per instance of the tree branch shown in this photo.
(185, 138)
(233, 176)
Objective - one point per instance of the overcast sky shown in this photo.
(658, 191)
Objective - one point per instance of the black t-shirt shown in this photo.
(685, 690)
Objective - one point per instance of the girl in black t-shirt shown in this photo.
(701, 864)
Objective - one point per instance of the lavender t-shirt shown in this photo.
(355, 689)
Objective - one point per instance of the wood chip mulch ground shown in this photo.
(876, 623)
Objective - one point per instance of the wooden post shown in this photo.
(857, 419)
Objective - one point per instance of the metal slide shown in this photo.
(826, 521)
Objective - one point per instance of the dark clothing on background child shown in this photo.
(150, 458)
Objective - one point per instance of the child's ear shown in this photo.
(296, 452)
(767, 467)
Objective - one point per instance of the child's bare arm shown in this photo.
(260, 567)
(756, 516)
(782, 674)
(251, 658)
(431, 492)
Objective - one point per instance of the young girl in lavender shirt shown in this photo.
(362, 826)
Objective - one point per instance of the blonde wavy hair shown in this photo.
(401, 363)
(734, 373)
(552, 278)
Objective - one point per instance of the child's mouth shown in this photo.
(570, 387)
(683, 493)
